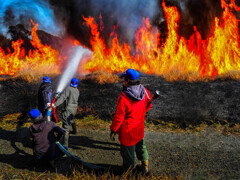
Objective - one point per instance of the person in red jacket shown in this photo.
(128, 121)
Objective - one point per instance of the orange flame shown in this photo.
(10, 63)
(43, 59)
(223, 47)
(218, 55)
(176, 58)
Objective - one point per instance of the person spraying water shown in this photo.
(69, 95)
(69, 99)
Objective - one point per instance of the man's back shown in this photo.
(130, 114)
(43, 137)
(44, 96)
(70, 99)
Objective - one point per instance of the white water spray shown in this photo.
(78, 54)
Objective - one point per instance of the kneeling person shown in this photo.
(44, 139)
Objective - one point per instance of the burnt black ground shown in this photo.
(182, 102)
(207, 155)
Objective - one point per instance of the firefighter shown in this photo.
(128, 121)
(44, 135)
(45, 95)
(70, 99)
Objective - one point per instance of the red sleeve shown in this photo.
(149, 104)
(119, 114)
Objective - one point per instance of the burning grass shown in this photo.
(175, 76)
(99, 77)
(28, 77)
(176, 59)
(102, 77)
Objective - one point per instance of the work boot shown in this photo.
(145, 166)
(74, 128)
(52, 164)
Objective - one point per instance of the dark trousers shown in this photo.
(50, 156)
(128, 154)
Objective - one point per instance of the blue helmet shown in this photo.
(131, 74)
(46, 79)
(74, 82)
(34, 113)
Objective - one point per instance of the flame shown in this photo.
(43, 59)
(10, 63)
(191, 59)
(224, 46)
(175, 59)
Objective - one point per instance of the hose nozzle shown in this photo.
(57, 95)
(156, 94)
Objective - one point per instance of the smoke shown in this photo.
(79, 53)
(129, 14)
(202, 14)
(65, 16)
(125, 14)
(13, 12)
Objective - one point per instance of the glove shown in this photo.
(112, 135)
(53, 105)
(48, 105)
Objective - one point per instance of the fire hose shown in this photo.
(52, 108)
(93, 166)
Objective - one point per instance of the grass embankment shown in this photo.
(11, 122)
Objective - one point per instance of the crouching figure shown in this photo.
(44, 135)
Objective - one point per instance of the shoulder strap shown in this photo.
(147, 94)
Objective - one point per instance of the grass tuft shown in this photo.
(10, 121)
(92, 122)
